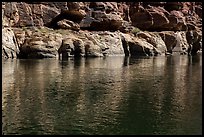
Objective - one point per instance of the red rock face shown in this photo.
(152, 16)
(172, 16)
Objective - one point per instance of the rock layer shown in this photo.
(49, 29)
(10, 48)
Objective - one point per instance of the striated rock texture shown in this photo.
(10, 48)
(52, 29)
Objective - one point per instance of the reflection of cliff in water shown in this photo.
(168, 87)
(113, 95)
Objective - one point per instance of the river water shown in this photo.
(97, 96)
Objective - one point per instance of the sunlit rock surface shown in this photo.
(159, 28)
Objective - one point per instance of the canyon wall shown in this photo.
(63, 29)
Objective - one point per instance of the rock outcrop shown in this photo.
(10, 47)
(50, 29)
(173, 16)
(169, 37)
(145, 43)
(39, 44)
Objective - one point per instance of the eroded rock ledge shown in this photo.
(96, 29)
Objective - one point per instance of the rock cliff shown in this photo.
(63, 29)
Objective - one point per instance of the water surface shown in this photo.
(112, 95)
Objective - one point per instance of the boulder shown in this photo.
(79, 49)
(159, 17)
(73, 16)
(142, 20)
(41, 45)
(92, 50)
(154, 39)
(71, 47)
(102, 16)
(145, 44)
(66, 48)
(148, 17)
(180, 21)
(140, 47)
(109, 42)
(169, 37)
(101, 21)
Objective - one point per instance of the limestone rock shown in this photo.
(154, 39)
(95, 28)
(109, 42)
(169, 37)
(92, 50)
(10, 47)
(145, 44)
(182, 45)
(72, 47)
(41, 45)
